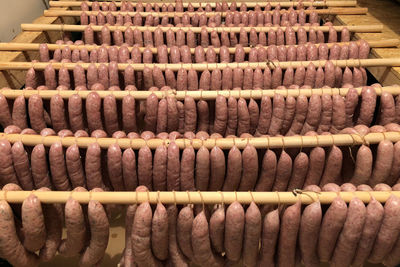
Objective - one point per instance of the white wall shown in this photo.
(15, 12)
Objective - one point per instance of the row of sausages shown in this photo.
(339, 233)
(205, 38)
(169, 168)
(182, 54)
(342, 234)
(226, 115)
(178, 7)
(32, 232)
(108, 77)
(199, 19)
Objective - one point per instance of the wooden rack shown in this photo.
(328, 11)
(223, 143)
(389, 62)
(213, 4)
(197, 95)
(97, 28)
(52, 47)
(199, 197)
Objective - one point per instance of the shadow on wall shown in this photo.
(15, 12)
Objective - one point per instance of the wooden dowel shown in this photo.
(197, 95)
(52, 47)
(213, 4)
(373, 62)
(193, 197)
(97, 28)
(75, 13)
(223, 143)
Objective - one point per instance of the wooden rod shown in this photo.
(77, 13)
(197, 95)
(97, 28)
(52, 47)
(213, 4)
(373, 62)
(223, 143)
(193, 197)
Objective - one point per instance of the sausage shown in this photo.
(363, 166)
(217, 169)
(388, 232)
(221, 115)
(187, 169)
(387, 111)
(33, 224)
(278, 114)
(58, 168)
(93, 112)
(299, 172)
(129, 174)
(252, 234)
(332, 224)
(313, 115)
(338, 114)
(333, 166)
(93, 169)
(283, 172)
(351, 102)
(36, 112)
(76, 227)
(300, 115)
(159, 232)
(250, 168)
(269, 238)
(173, 166)
(202, 172)
(326, 114)
(11, 248)
(39, 167)
(243, 117)
(184, 231)
(308, 233)
(350, 235)
(290, 109)
(237, 79)
(288, 236)
(368, 102)
(268, 170)
(7, 172)
(99, 234)
(288, 77)
(201, 242)
(74, 167)
(234, 230)
(234, 169)
(383, 163)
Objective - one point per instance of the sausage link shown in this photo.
(350, 235)
(234, 230)
(332, 224)
(308, 234)
(99, 233)
(74, 167)
(184, 231)
(269, 239)
(383, 163)
(373, 220)
(76, 228)
(33, 224)
(268, 170)
(388, 232)
(288, 236)
(11, 248)
(250, 168)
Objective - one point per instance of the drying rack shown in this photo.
(15, 59)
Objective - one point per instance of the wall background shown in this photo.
(15, 12)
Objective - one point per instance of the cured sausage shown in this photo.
(308, 233)
(288, 235)
(99, 233)
(234, 229)
(332, 224)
